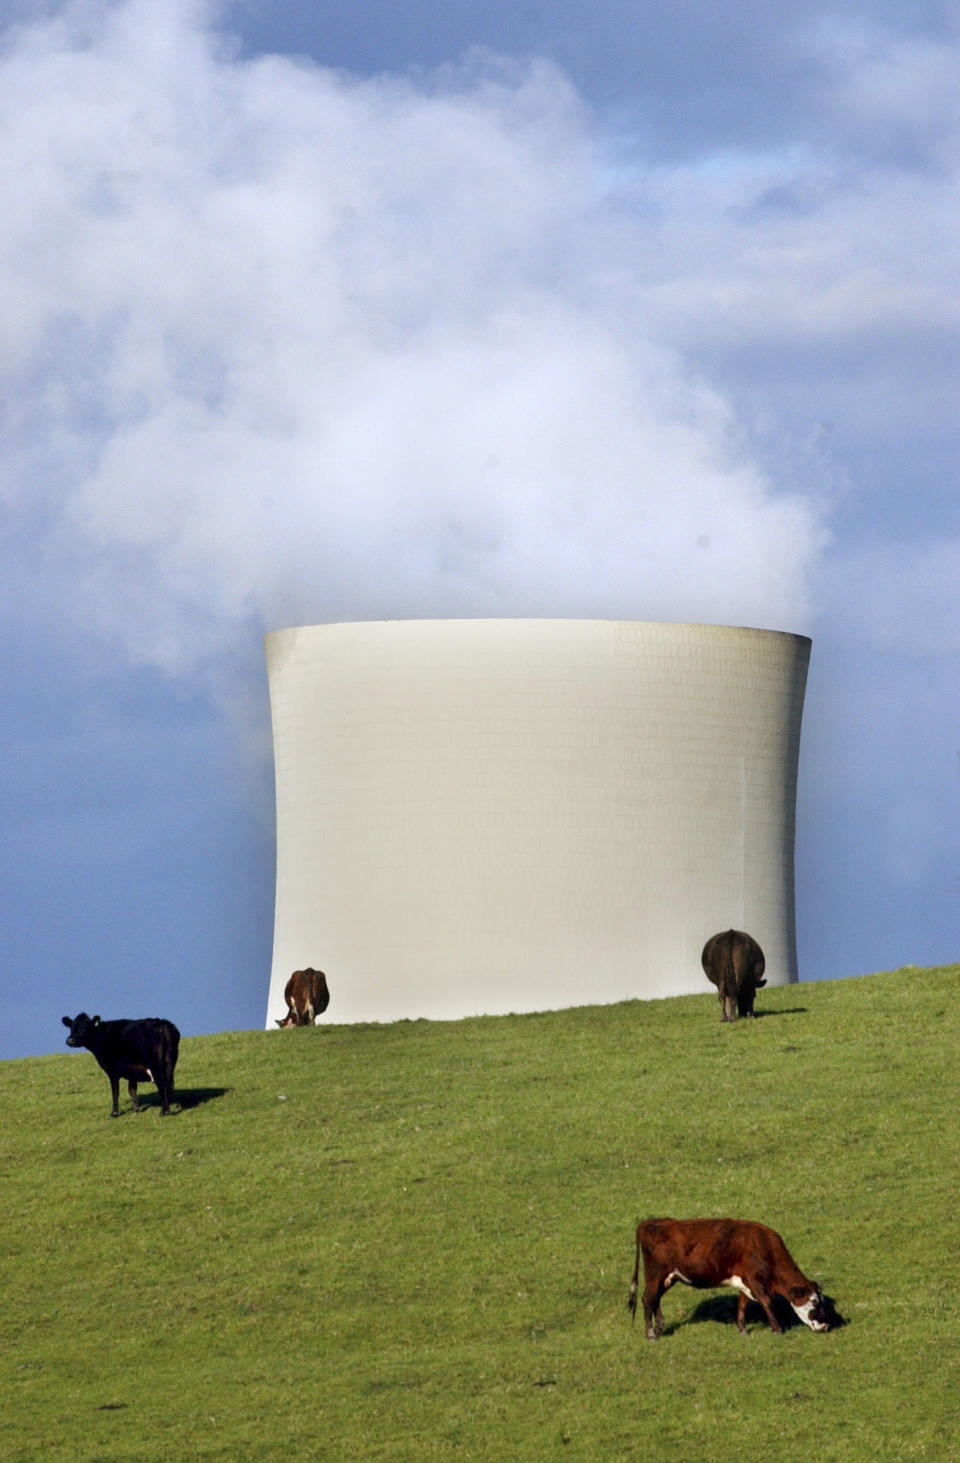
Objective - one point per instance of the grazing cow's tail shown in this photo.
(632, 1299)
(726, 978)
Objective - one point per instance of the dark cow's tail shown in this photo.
(169, 1051)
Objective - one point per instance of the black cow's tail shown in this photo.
(169, 1051)
(172, 1048)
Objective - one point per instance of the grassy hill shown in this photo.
(415, 1241)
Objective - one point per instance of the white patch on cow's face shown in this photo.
(812, 1303)
(738, 1284)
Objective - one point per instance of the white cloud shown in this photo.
(897, 94)
(284, 344)
(899, 597)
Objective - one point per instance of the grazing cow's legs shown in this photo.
(652, 1314)
(115, 1090)
(132, 1089)
(743, 1301)
(653, 1288)
(729, 1005)
(763, 1296)
(655, 1284)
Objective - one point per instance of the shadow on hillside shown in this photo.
(183, 1097)
(723, 1308)
(787, 1011)
(194, 1096)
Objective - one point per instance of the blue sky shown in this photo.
(346, 311)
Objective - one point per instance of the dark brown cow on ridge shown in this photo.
(735, 964)
(708, 1252)
(306, 996)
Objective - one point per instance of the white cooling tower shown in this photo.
(481, 816)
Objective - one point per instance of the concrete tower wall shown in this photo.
(481, 816)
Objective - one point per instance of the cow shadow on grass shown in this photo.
(723, 1309)
(787, 1011)
(183, 1097)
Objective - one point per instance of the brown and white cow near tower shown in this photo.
(708, 1252)
(734, 962)
(306, 996)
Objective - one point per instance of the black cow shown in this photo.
(707, 1252)
(140, 1051)
(307, 997)
(735, 964)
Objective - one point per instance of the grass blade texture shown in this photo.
(415, 1241)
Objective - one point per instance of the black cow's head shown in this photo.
(80, 1028)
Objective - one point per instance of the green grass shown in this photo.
(415, 1241)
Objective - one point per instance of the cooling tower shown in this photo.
(482, 816)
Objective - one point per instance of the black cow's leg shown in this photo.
(730, 1011)
(115, 1090)
(132, 1089)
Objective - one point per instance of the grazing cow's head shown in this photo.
(809, 1305)
(80, 1028)
(295, 1018)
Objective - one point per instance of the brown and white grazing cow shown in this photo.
(306, 996)
(735, 964)
(707, 1252)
